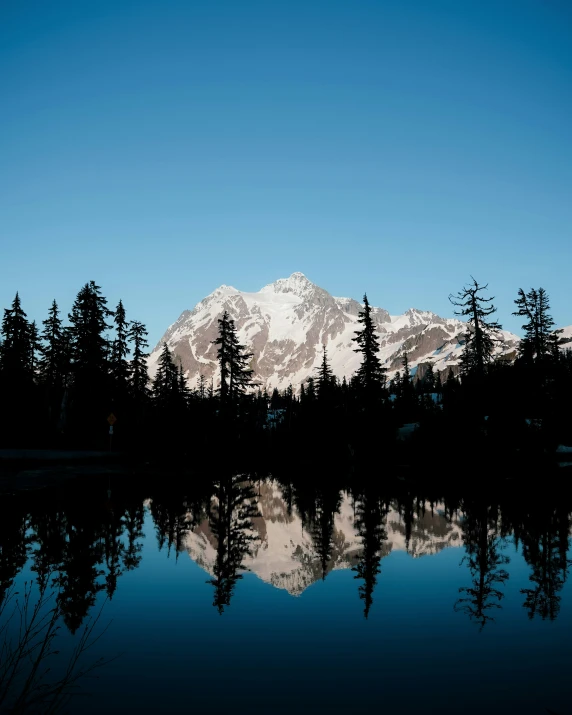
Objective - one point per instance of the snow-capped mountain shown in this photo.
(286, 323)
(285, 553)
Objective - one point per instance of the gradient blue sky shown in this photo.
(162, 148)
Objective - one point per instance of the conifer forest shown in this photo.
(63, 376)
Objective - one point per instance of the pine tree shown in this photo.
(429, 379)
(166, 383)
(325, 383)
(275, 400)
(120, 368)
(89, 396)
(16, 362)
(407, 390)
(538, 342)
(89, 345)
(235, 375)
(202, 387)
(240, 372)
(52, 366)
(451, 379)
(480, 335)
(183, 391)
(396, 385)
(139, 377)
(223, 354)
(370, 375)
(35, 348)
(18, 418)
(311, 390)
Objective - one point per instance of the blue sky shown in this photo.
(163, 148)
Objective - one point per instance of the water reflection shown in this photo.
(232, 510)
(78, 544)
(545, 540)
(370, 522)
(486, 564)
(290, 533)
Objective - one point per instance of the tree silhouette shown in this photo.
(370, 375)
(486, 563)
(544, 547)
(480, 336)
(139, 379)
(537, 343)
(230, 518)
(370, 523)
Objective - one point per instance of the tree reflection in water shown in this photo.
(81, 542)
(232, 510)
(544, 547)
(486, 564)
(370, 515)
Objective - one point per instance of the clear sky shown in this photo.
(164, 147)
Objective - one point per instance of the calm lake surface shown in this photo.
(244, 596)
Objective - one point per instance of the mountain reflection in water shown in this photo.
(291, 535)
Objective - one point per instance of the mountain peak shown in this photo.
(287, 322)
(297, 283)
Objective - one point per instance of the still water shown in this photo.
(239, 595)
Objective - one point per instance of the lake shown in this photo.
(240, 594)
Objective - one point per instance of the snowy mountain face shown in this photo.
(286, 323)
(285, 551)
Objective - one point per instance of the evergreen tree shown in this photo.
(223, 354)
(275, 400)
(16, 351)
(183, 390)
(310, 395)
(451, 379)
(537, 344)
(240, 374)
(325, 383)
(235, 375)
(88, 325)
(231, 522)
(166, 383)
(52, 366)
(396, 385)
(407, 400)
(120, 368)
(370, 519)
(35, 348)
(139, 377)
(486, 564)
(202, 387)
(429, 379)
(89, 402)
(18, 420)
(370, 375)
(480, 336)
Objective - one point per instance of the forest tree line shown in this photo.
(60, 381)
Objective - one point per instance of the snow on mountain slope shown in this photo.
(286, 555)
(565, 337)
(286, 323)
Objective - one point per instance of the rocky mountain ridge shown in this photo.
(287, 322)
(286, 552)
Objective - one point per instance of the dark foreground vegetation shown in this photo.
(60, 383)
